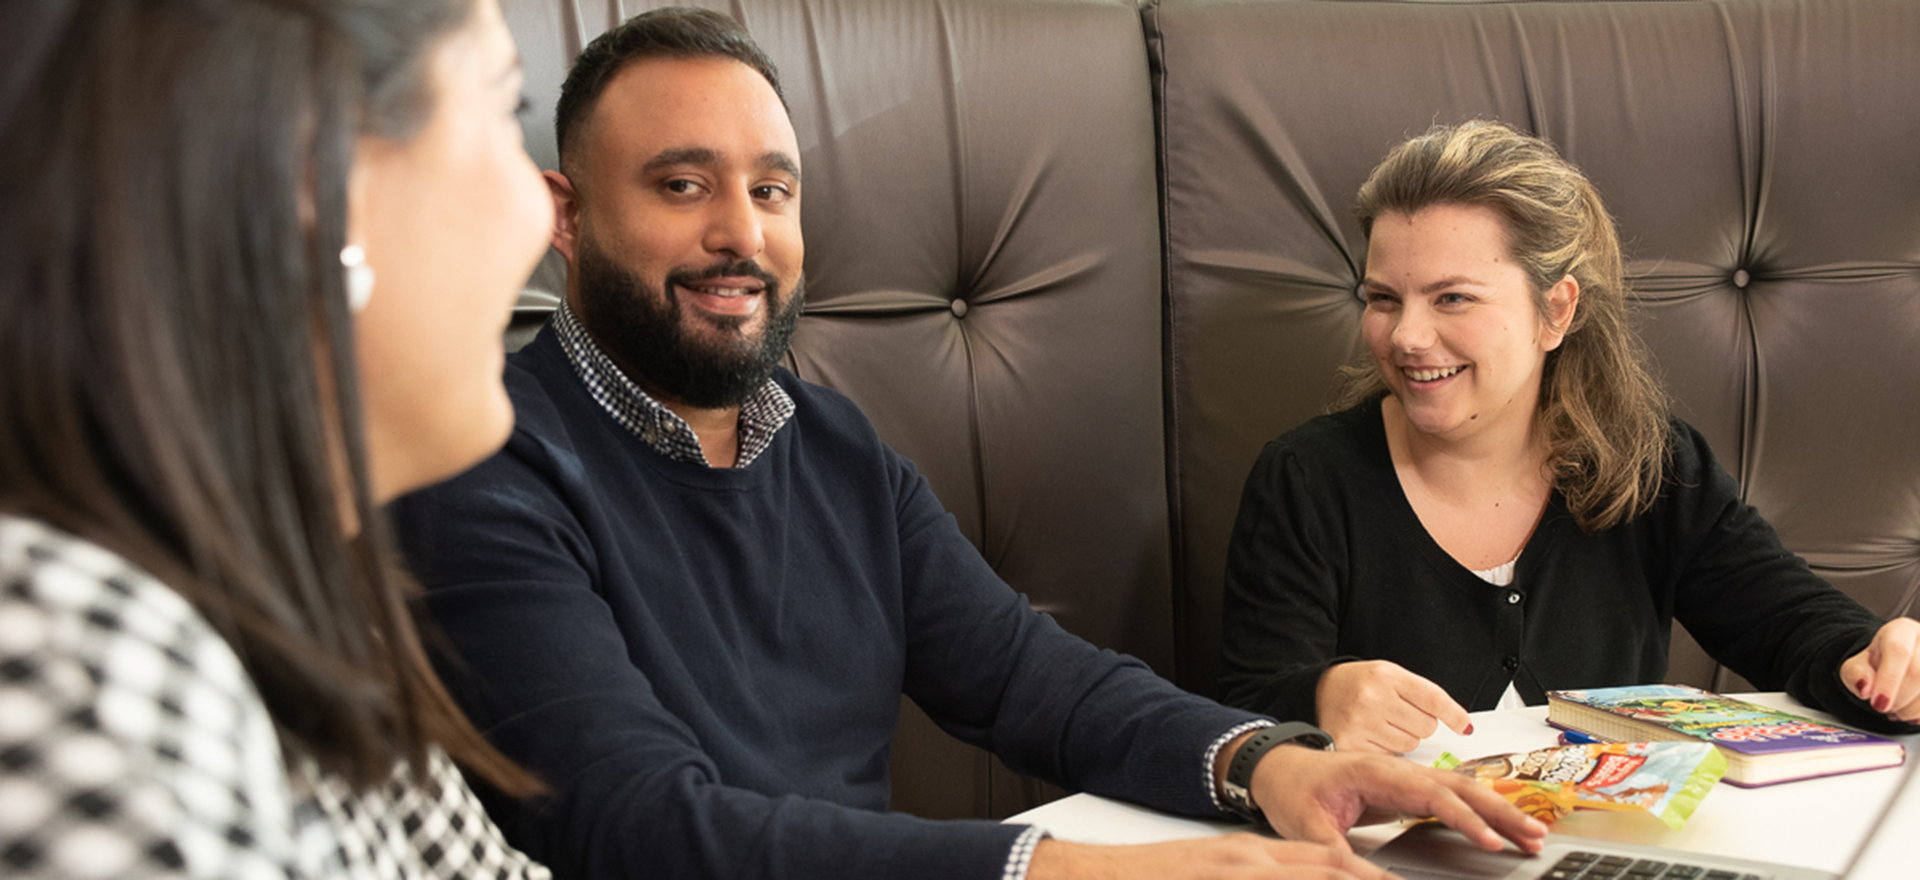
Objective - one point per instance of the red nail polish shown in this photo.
(1469, 730)
(1880, 703)
(1860, 687)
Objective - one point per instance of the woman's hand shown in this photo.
(1887, 673)
(1378, 706)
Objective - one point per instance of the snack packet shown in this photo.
(1667, 779)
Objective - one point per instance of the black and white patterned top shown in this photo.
(660, 428)
(132, 743)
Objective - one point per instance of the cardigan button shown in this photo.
(1510, 662)
(1513, 598)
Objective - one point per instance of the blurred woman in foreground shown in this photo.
(255, 260)
(1501, 504)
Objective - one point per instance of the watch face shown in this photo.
(1235, 790)
(1239, 801)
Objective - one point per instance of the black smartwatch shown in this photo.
(1237, 792)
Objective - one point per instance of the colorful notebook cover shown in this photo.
(1749, 734)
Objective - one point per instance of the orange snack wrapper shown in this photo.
(1667, 779)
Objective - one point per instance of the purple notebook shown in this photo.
(1763, 746)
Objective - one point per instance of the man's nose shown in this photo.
(735, 227)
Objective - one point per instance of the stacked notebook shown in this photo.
(1762, 745)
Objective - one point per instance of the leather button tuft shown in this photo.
(1510, 662)
(1740, 278)
(959, 307)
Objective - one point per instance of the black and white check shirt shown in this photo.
(761, 417)
(132, 743)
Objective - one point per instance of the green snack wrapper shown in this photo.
(1667, 779)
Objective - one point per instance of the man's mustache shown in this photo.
(724, 269)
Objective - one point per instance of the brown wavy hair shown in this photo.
(1602, 416)
(177, 375)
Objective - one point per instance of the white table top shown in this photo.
(1817, 823)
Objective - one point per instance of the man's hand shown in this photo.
(1231, 856)
(1887, 673)
(1377, 706)
(1316, 796)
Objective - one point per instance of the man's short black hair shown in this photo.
(673, 32)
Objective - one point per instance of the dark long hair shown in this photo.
(176, 356)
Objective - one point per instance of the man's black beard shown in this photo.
(643, 329)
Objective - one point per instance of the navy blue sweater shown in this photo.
(706, 664)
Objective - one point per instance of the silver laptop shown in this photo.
(1433, 852)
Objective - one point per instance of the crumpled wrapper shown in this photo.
(1667, 779)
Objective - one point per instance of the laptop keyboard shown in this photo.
(1594, 866)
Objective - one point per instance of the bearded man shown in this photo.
(691, 590)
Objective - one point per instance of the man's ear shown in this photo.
(1562, 300)
(566, 212)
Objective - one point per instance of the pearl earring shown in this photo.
(359, 277)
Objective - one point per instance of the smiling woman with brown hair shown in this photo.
(1501, 504)
(255, 260)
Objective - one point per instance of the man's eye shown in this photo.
(682, 187)
(771, 193)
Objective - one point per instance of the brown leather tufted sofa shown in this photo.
(1079, 260)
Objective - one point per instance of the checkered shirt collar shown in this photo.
(761, 416)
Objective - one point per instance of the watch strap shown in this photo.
(1237, 791)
